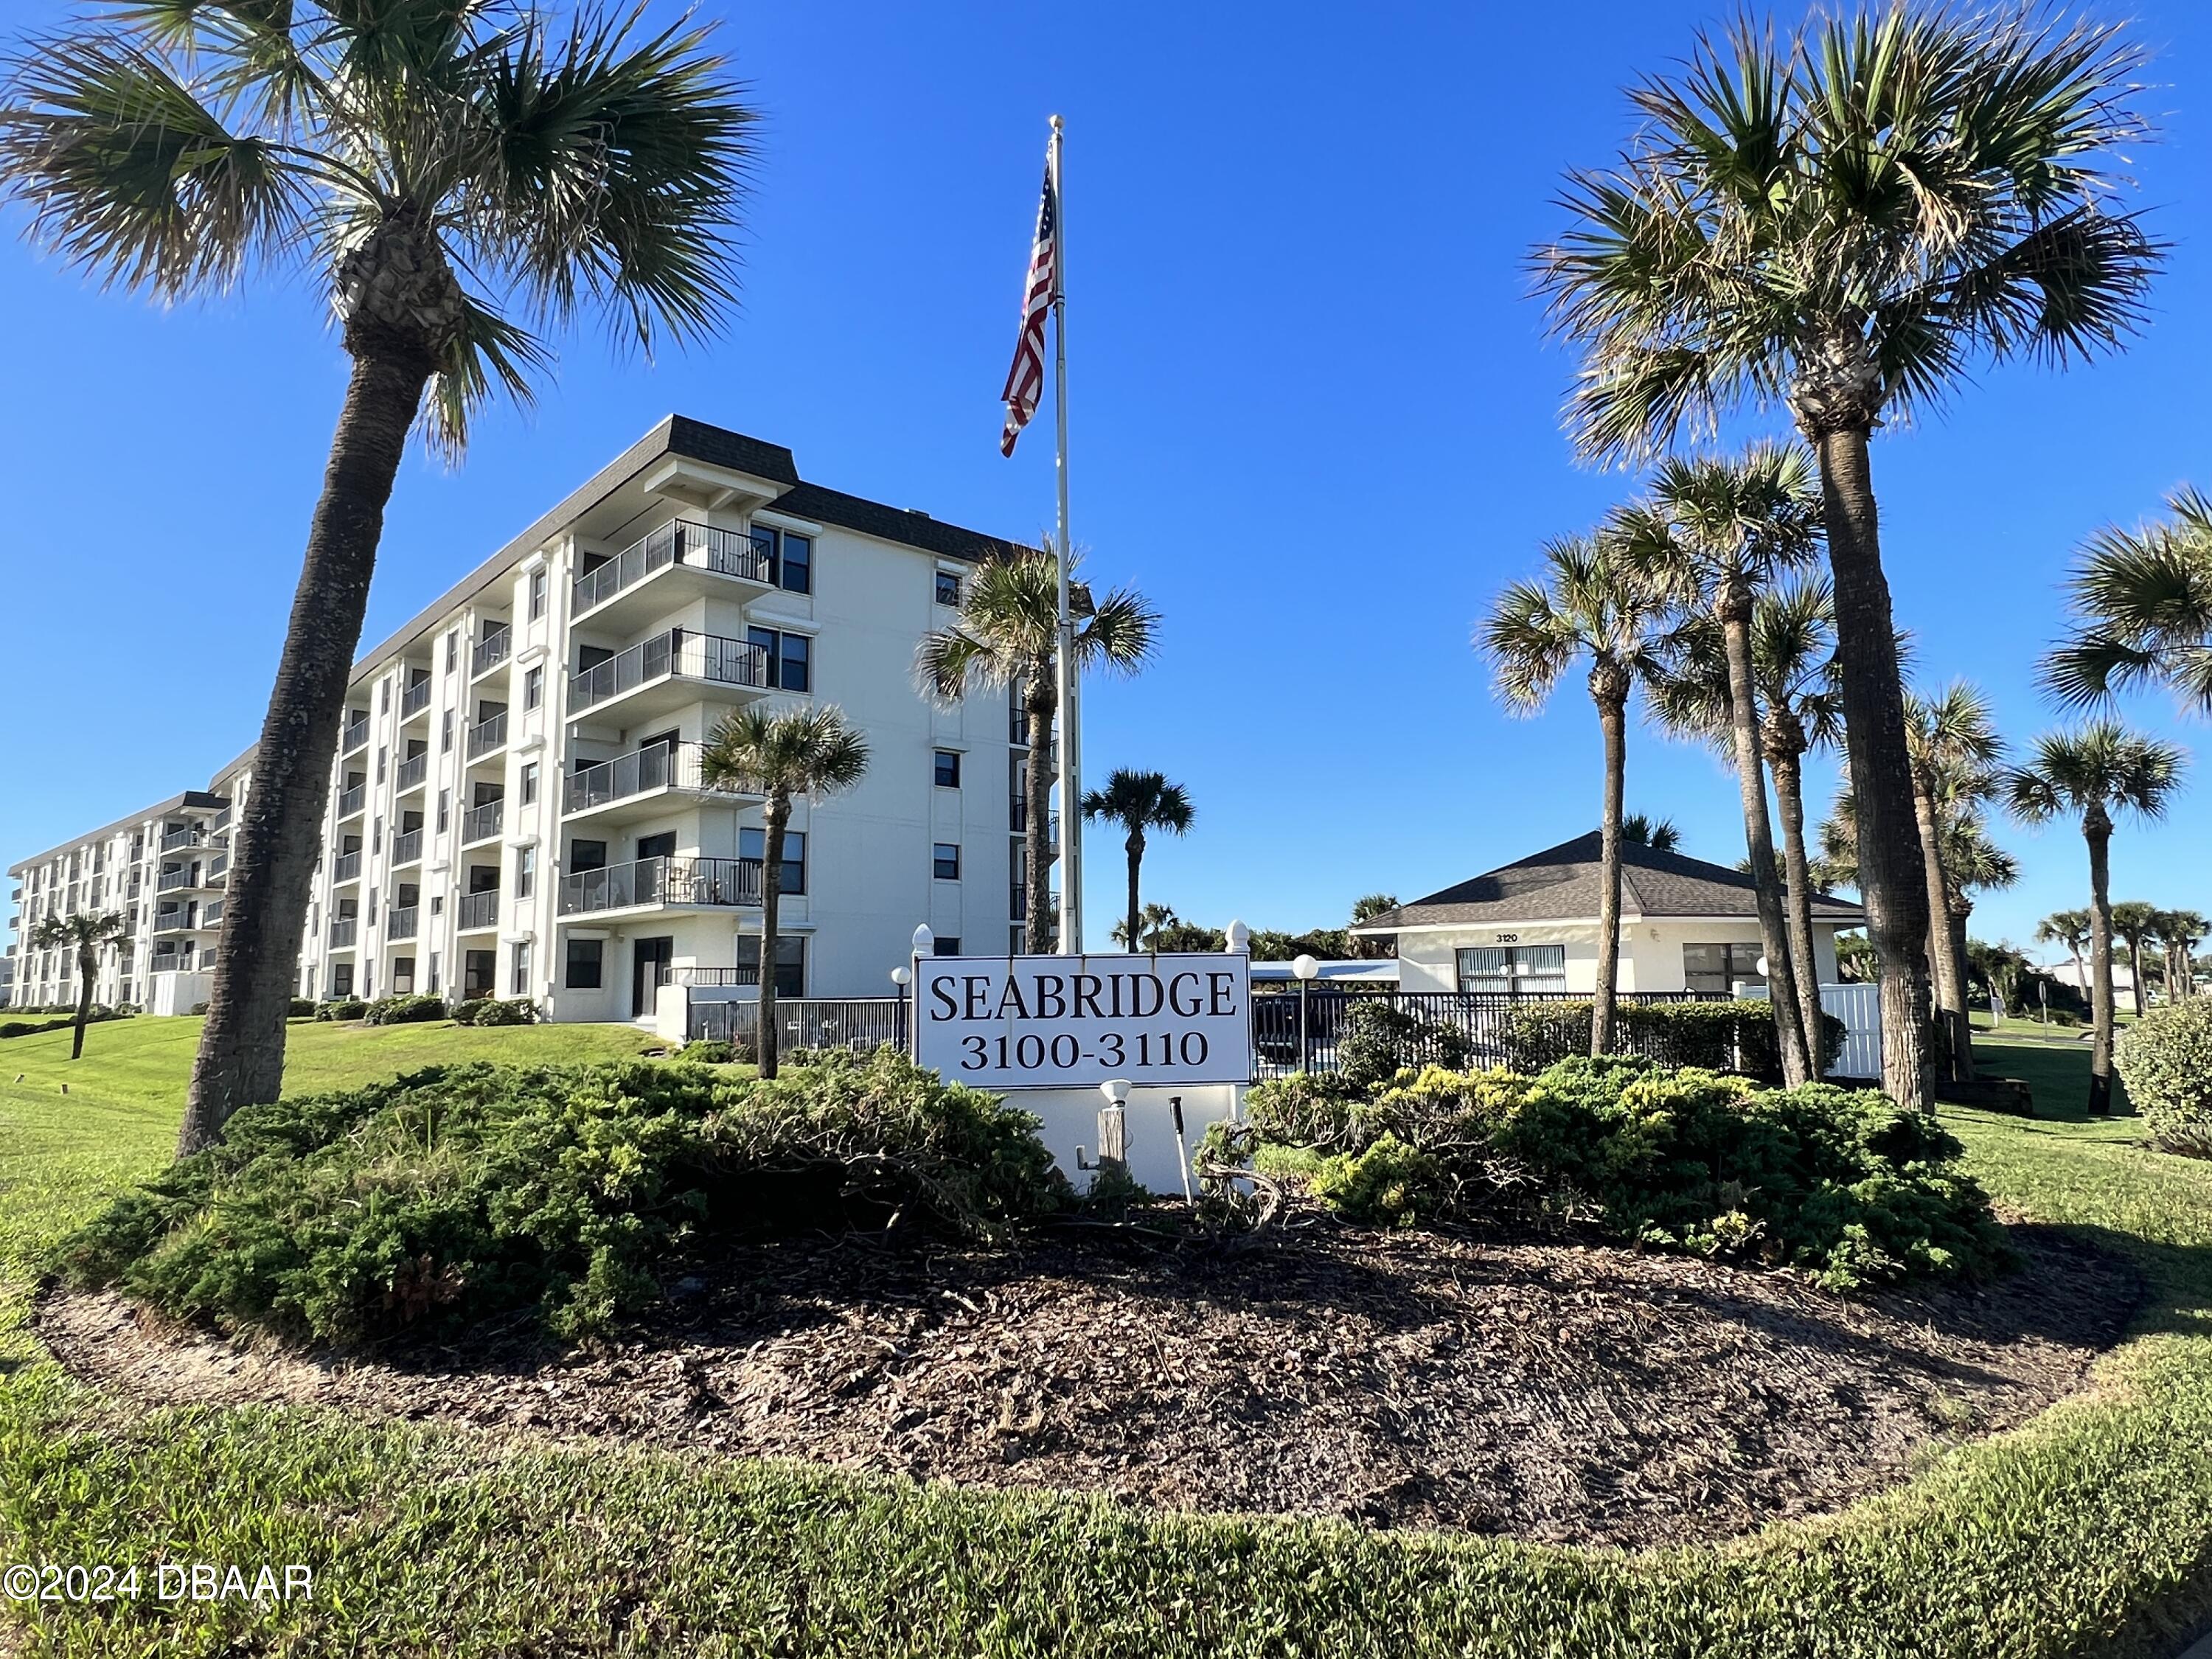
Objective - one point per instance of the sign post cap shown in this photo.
(924, 940)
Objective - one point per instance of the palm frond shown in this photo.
(1119, 633)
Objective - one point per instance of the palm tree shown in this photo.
(1365, 909)
(2143, 608)
(89, 932)
(1008, 634)
(2093, 772)
(1588, 603)
(1138, 801)
(2134, 921)
(184, 149)
(811, 751)
(1972, 863)
(1712, 533)
(1842, 223)
(2180, 932)
(1660, 834)
(2069, 928)
(1153, 923)
(1954, 745)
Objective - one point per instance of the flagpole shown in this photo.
(1067, 686)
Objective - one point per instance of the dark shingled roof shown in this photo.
(891, 524)
(1561, 883)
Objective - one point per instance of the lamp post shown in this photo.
(1306, 970)
(902, 976)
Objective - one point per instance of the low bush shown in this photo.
(466, 1012)
(404, 1010)
(342, 1008)
(517, 1010)
(15, 1028)
(1840, 1182)
(1377, 1040)
(302, 1008)
(1714, 1036)
(460, 1194)
(2166, 1059)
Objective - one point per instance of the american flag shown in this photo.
(1025, 380)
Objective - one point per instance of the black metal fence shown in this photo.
(1446, 1025)
(862, 1022)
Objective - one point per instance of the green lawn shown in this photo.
(2056, 1070)
(2085, 1531)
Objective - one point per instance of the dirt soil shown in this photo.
(1517, 1386)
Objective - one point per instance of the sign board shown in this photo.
(1075, 1022)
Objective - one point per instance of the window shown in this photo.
(947, 944)
(587, 855)
(795, 570)
(445, 808)
(371, 907)
(342, 979)
(1721, 967)
(384, 697)
(789, 658)
(944, 861)
(525, 872)
(753, 844)
(437, 908)
(948, 769)
(536, 594)
(478, 969)
(533, 687)
(519, 974)
(528, 782)
(376, 836)
(431, 988)
(790, 962)
(446, 733)
(587, 965)
(453, 649)
(1514, 969)
(948, 588)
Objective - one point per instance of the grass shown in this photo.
(2056, 1071)
(2084, 1532)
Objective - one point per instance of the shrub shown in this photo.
(1714, 1036)
(1303, 1109)
(458, 1194)
(100, 1016)
(1840, 1182)
(466, 1012)
(1377, 1040)
(302, 1008)
(2166, 1059)
(342, 1008)
(518, 1010)
(404, 1010)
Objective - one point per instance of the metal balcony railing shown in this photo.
(399, 921)
(483, 822)
(415, 698)
(211, 915)
(728, 552)
(172, 921)
(342, 932)
(412, 772)
(478, 909)
(223, 819)
(661, 766)
(356, 736)
(218, 869)
(190, 836)
(350, 801)
(347, 867)
(172, 880)
(669, 881)
(679, 653)
(407, 849)
(491, 650)
(487, 735)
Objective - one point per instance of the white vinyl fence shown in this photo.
(1859, 1006)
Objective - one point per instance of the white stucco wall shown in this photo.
(1650, 950)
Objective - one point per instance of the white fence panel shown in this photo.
(1859, 1006)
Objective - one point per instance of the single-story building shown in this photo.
(1531, 926)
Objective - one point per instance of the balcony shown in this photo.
(174, 921)
(675, 563)
(218, 870)
(496, 646)
(488, 737)
(483, 822)
(174, 881)
(223, 819)
(399, 921)
(670, 884)
(342, 932)
(351, 801)
(474, 910)
(414, 699)
(356, 736)
(211, 917)
(669, 671)
(407, 849)
(638, 785)
(412, 773)
(190, 835)
(347, 867)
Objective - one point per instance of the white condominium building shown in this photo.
(518, 810)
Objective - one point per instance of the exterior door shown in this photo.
(647, 958)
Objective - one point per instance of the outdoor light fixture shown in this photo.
(1306, 968)
(1116, 1090)
(902, 977)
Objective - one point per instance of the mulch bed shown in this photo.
(1515, 1385)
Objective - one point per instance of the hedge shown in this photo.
(2166, 1059)
(15, 1028)
(1715, 1037)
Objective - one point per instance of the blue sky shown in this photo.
(1313, 419)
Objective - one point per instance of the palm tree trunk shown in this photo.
(1958, 908)
(776, 820)
(1613, 718)
(1789, 797)
(2097, 829)
(279, 826)
(87, 970)
(1890, 880)
(1950, 975)
(1758, 839)
(1136, 849)
(1037, 846)
(2135, 972)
